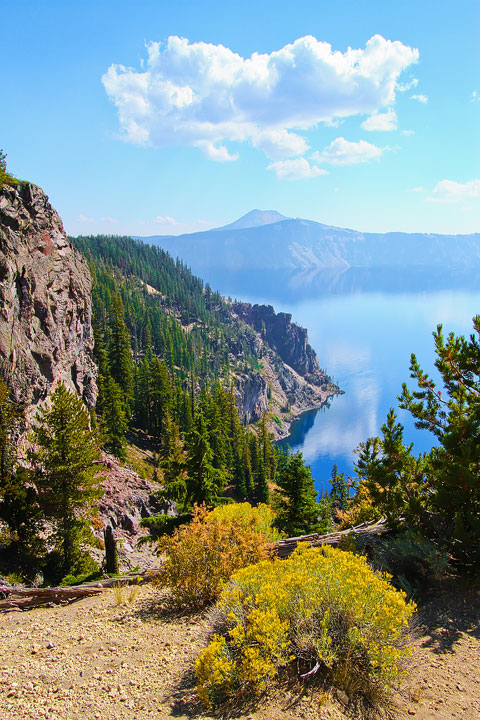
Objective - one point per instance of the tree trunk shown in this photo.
(111, 555)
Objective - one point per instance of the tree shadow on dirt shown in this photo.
(445, 617)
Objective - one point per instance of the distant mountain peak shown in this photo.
(255, 218)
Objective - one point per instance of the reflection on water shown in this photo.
(364, 325)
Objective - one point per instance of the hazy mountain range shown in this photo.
(265, 239)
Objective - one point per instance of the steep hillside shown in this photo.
(267, 357)
(305, 245)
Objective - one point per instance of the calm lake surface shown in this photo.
(363, 325)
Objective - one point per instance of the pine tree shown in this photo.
(296, 498)
(19, 508)
(119, 350)
(452, 415)
(64, 472)
(339, 493)
(205, 482)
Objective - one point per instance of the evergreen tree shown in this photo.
(296, 498)
(205, 482)
(339, 493)
(452, 415)
(392, 475)
(115, 424)
(18, 500)
(64, 472)
(119, 350)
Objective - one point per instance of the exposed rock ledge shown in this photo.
(45, 301)
(290, 380)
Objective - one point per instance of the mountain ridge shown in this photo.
(299, 244)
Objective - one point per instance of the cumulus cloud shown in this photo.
(420, 98)
(381, 121)
(295, 169)
(449, 191)
(344, 152)
(408, 132)
(475, 96)
(206, 95)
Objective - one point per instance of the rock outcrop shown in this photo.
(251, 395)
(289, 380)
(45, 301)
(289, 340)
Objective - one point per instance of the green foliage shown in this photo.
(166, 349)
(160, 525)
(63, 458)
(394, 478)
(414, 562)
(19, 509)
(438, 493)
(339, 493)
(5, 177)
(201, 557)
(298, 511)
(323, 608)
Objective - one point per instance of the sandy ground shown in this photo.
(99, 659)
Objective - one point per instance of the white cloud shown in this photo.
(90, 220)
(205, 95)
(420, 98)
(475, 96)
(408, 132)
(381, 121)
(403, 87)
(165, 220)
(344, 152)
(295, 169)
(417, 190)
(449, 191)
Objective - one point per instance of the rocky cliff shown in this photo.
(288, 339)
(45, 301)
(289, 380)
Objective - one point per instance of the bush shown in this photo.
(260, 518)
(323, 608)
(414, 562)
(201, 556)
(5, 177)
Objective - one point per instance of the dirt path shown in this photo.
(96, 659)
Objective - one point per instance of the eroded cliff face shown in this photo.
(289, 340)
(45, 301)
(289, 380)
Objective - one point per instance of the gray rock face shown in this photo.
(45, 301)
(251, 396)
(288, 339)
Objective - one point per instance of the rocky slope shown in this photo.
(45, 301)
(290, 380)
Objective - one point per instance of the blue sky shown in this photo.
(360, 114)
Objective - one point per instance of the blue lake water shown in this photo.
(363, 326)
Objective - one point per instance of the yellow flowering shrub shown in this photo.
(260, 517)
(202, 555)
(322, 607)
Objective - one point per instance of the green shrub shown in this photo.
(323, 608)
(5, 177)
(414, 562)
(202, 555)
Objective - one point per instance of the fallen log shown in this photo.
(284, 548)
(23, 598)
